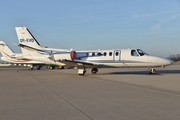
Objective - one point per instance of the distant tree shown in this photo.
(175, 57)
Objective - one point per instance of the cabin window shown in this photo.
(117, 53)
(105, 53)
(110, 53)
(93, 54)
(134, 53)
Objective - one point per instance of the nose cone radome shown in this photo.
(165, 61)
(160, 61)
(171, 62)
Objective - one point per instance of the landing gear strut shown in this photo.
(152, 71)
(94, 70)
(81, 72)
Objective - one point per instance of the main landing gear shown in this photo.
(81, 72)
(32, 67)
(94, 70)
(39, 67)
(152, 71)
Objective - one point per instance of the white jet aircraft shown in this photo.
(17, 58)
(91, 59)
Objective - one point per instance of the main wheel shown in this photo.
(81, 72)
(39, 67)
(94, 70)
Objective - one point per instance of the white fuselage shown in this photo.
(20, 61)
(124, 58)
(105, 58)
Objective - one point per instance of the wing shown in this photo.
(80, 63)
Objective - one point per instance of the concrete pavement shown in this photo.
(120, 93)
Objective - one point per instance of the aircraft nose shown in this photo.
(171, 62)
(158, 61)
(167, 62)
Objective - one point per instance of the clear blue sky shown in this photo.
(152, 25)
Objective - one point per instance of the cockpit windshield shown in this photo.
(141, 53)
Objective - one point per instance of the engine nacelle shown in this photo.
(73, 55)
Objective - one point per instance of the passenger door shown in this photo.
(117, 55)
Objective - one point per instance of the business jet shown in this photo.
(94, 59)
(17, 58)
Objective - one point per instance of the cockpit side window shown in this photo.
(134, 53)
(141, 53)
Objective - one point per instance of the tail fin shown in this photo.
(26, 38)
(5, 49)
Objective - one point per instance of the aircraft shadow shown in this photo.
(160, 72)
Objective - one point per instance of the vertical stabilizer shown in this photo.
(26, 38)
(5, 49)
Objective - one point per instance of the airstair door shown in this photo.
(117, 55)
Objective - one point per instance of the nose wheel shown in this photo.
(94, 70)
(153, 71)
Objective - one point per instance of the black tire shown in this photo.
(94, 70)
(153, 71)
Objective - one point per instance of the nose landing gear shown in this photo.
(153, 71)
